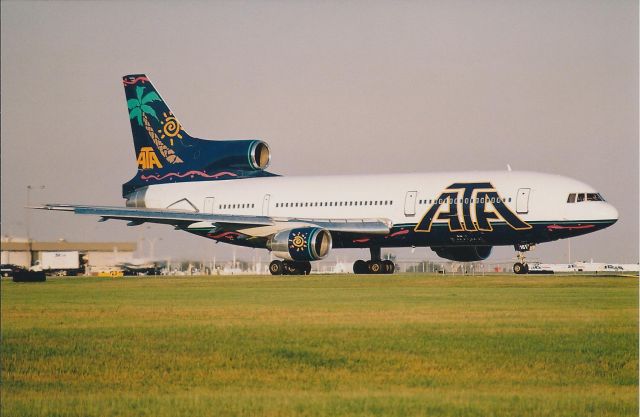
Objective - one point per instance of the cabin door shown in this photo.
(410, 203)
(208, 205)
(265, 204)
(522, 202)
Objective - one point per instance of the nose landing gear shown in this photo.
(521, 267)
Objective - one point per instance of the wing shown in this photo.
(258, 226)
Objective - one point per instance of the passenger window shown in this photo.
(580, 198)
(572, 198)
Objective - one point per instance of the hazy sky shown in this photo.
(336, 87)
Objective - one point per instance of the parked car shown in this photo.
(8, 270)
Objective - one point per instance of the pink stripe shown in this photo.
(186, 174)
(135, 80)
(558, 227)
(398, 233)
(229, 235)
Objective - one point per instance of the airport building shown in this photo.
(92, 255)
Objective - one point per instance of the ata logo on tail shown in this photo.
(470, 207)
(147, 158)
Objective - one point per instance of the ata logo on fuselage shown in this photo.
(470, 207)
(147, 158)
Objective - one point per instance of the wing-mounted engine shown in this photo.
(463, 253)
(301, 244)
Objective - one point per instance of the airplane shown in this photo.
(221, 190)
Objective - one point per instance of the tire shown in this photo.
(375, 267)
(360, 267)
(296, 268)
(276, 267)
(388, 266)
(519, 268)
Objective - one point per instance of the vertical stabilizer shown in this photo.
(155, 129)
(166, 153)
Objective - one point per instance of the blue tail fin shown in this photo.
(155, 129)
(165, 152)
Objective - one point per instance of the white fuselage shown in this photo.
(400, 198)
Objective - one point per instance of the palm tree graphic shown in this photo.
(139, 108)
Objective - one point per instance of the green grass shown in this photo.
(321, 346)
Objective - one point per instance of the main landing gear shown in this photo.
(375, 265)
(290, 267)
(521, 267)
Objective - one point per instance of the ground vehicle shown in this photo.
(9, 270)
(58, 263)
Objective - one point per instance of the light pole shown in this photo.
(152, 246)
(28, 218)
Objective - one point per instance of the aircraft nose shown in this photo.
(610, 213)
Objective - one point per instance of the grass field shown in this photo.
(321, 346)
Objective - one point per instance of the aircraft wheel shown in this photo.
(520, 268)
(388, 266)
(305, 268)
(290, 268)
(276, 267)
(359, 267)
(375, 267)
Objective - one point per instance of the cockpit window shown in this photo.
(594, 197)
(581, 197)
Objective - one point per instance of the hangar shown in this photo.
(93, 255)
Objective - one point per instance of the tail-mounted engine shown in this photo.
(301, 244)
(463, 253)
(247, 155)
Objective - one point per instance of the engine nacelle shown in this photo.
(247, 155)
(301, 244)
(463, 253)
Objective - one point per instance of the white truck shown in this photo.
(58, 263)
